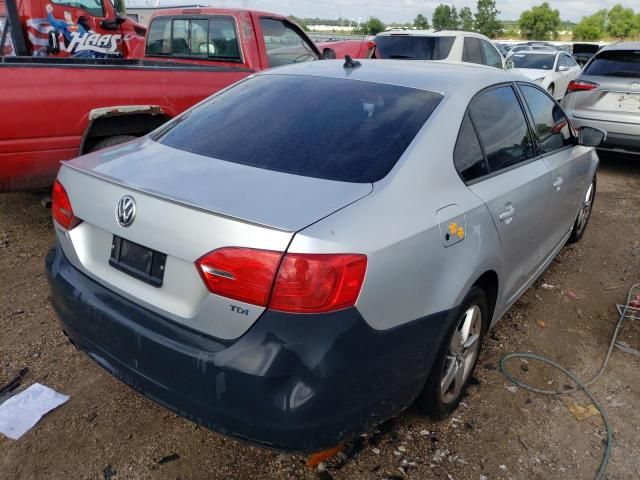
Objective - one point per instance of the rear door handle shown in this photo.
(557, 184)
(508, 214)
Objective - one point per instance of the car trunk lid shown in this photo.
(186, 206)
(265, 197)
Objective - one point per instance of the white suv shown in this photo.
(451, 45)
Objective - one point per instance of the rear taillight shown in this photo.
(318, 283)
(581, 86)
(300, 283)
(61, 207)
(243, 274)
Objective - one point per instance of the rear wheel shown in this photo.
(111, 141)
(584, 214)
(457, 358)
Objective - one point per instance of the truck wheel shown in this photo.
(111, 141)
(457, 357)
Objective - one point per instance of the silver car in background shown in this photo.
(307, 253)
(606, 95)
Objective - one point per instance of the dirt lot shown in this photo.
(108, 431)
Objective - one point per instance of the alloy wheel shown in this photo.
(462, 353)
(585, 210)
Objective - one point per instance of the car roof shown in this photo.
(430, 33)
(622, 46)
(433, 75)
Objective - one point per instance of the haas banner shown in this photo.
(94, 42)
(81, 41)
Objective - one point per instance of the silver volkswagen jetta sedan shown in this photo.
(305, 254)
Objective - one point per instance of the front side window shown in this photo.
(615, 63)
(94, 7)
(213, 37)
(471, 51)
(329, 128)
(467, 156)
(502, 127)
(413, 47)
(492, 57)
(284, 44)
(551, 125)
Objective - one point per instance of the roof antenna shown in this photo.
(350, 62)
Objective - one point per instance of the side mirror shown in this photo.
(113, 24)
(53, 42)
(328, 54)
(509, 64)
(563, 68)
(591, 137)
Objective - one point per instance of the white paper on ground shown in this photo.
(25, 409)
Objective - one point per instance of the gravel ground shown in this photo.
(107, 431)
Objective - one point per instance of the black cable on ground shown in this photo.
(581, 386)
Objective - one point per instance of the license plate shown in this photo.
(138, 261)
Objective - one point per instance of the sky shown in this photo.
(395, 11)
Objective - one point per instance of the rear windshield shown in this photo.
(621, 63)
(413, 47)
(335, 129)
(539, 61)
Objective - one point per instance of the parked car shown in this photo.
(450, 45)
(551, 70)
(189, 54)
(300, 284)
(582, 52)
(606, 95)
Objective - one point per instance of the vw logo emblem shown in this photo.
(126, 211)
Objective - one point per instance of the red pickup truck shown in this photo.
(57, 108)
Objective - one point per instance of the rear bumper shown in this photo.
(294, 382)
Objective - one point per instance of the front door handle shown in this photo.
(557, 184)
(507, 215)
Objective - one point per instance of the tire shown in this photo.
(582, 220)
(111, 141)
(438, 399)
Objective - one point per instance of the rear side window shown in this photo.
(615, 63)
(471, 51)
(502, 127)
(213, 37)
(413, 47)
(284, 43)
(329, 128)
(491, 55)
(551, 125)
(467, 156)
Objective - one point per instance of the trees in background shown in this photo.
(487, 21)
(540, 23)
(591, 28)
(421, 22)
(466, 19)
(445, 18)
(622, 22)
(373, 26)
